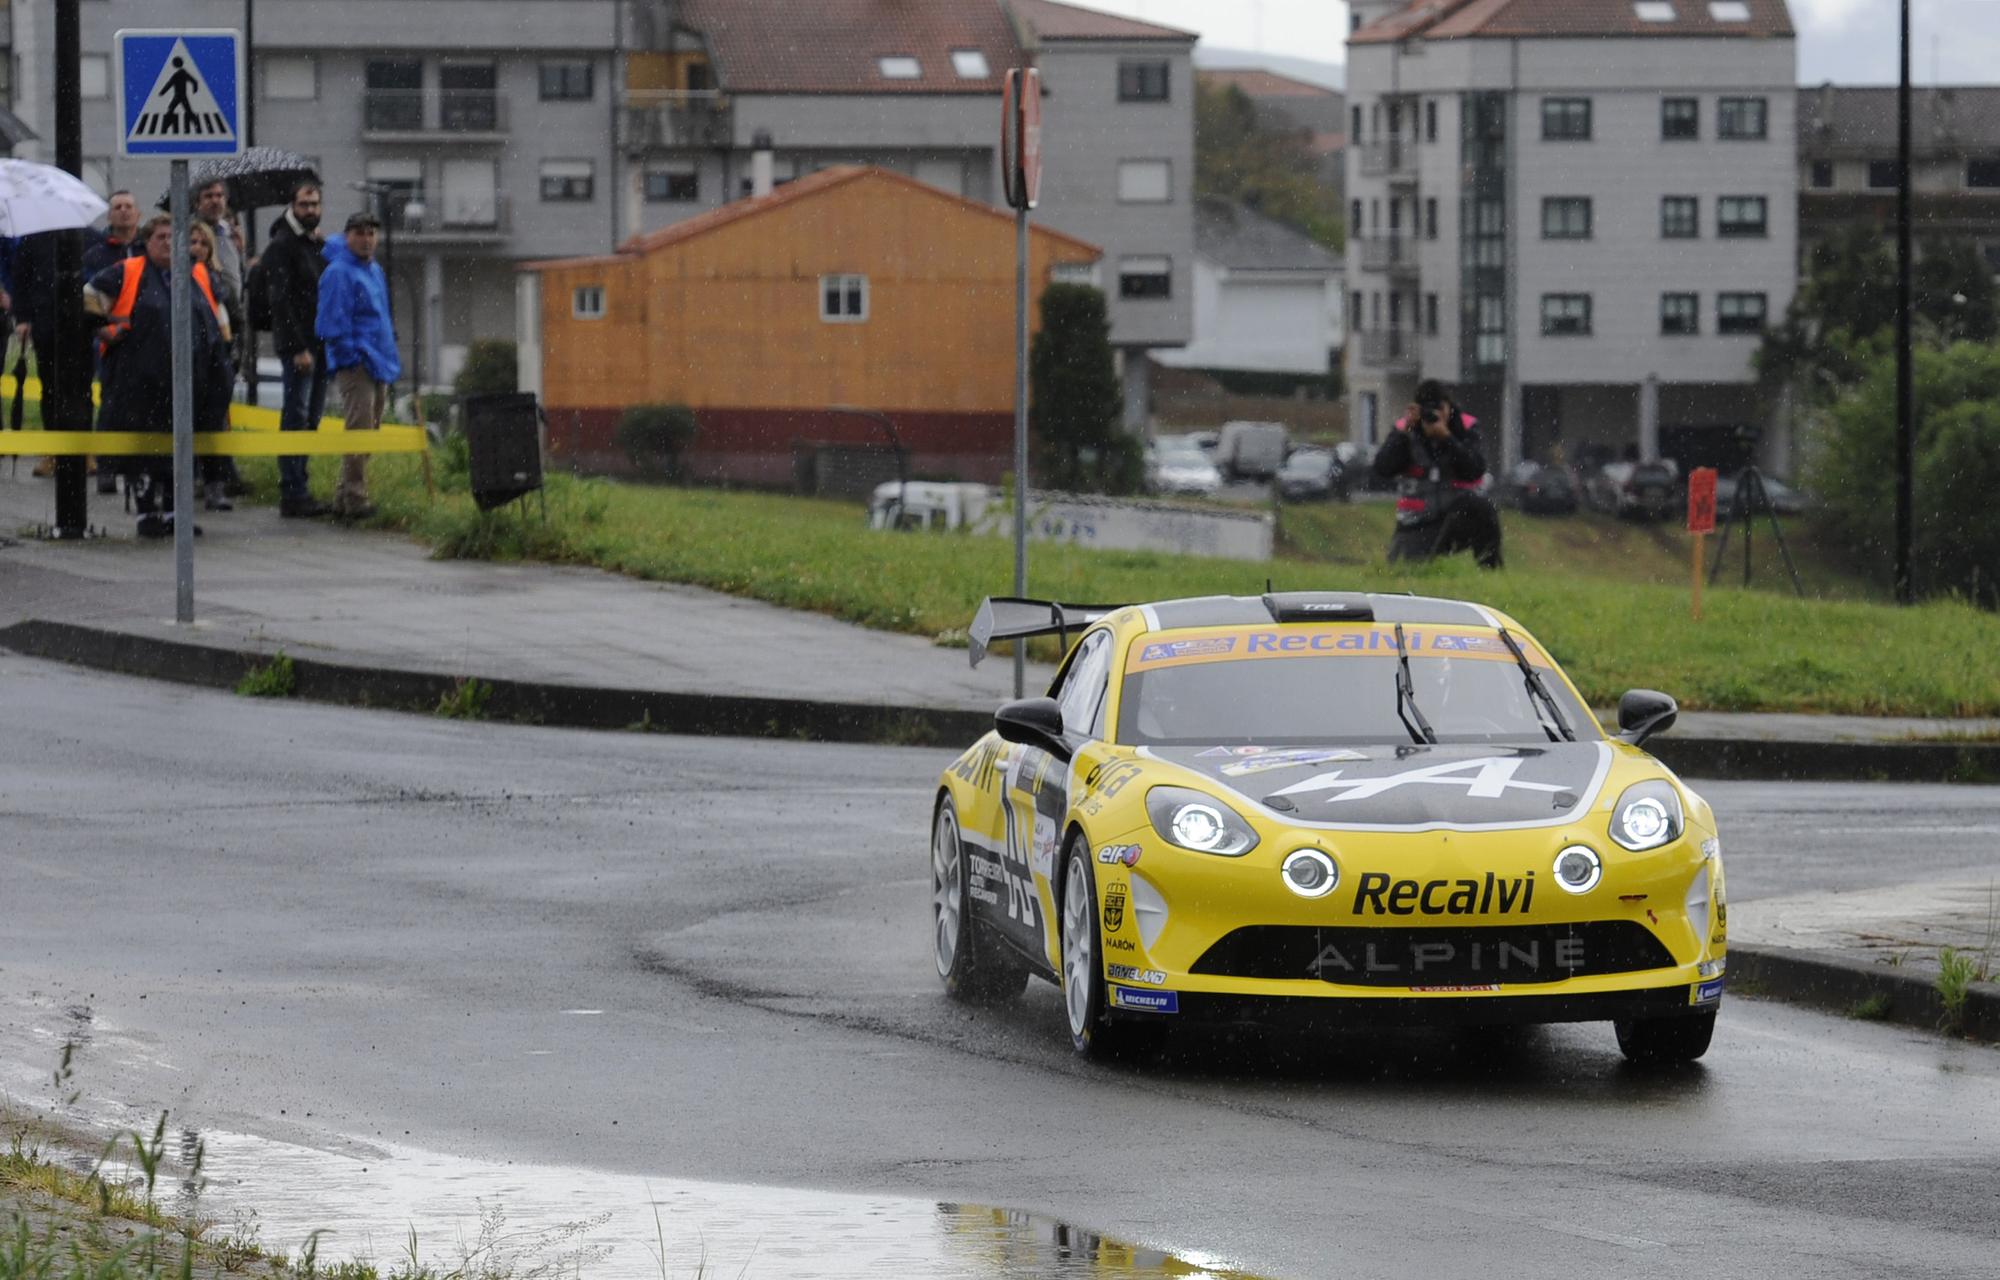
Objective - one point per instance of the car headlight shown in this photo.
(1648, 815)
(1199, 822)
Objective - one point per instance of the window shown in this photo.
(1992, 253)
(1566, 315)
(1566, 218)
(1354, 133)
(697, 77)
(1680, 118)
(586, 302)
(94, 74)
(1395, 119)
(1142, 81)
(1375, 308)
(1395, 216)
(674, 182)
(1729, 10)
(1146, 277)
(1359, 317)
(1739, 216)
(1822, 174)
(969, 64)
(290, 77)
(1566, 119)
(1680, 217)
(568, 80)
(1983, 173)
(1075, 273)
(394, 98)
(568, 179)
(1740, 118)
(1882, 173)
(1081, 693)
(1739, 313)
(1430, 120)
(1431, 314)
(466, 101)
(1145, 181)
(403, 178)
(1653, 10)
(1430, 218)
(1354, 222)
(1680, 314)
(843, 299)
(899, 66)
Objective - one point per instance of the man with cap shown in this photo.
(353, 323)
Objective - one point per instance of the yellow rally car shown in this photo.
(1365, 807)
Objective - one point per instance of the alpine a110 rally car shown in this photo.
(1352, 807)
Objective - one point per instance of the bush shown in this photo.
(490, 366)
(654, 436)
(1075, 402)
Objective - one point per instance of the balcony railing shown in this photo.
(670, 119)
(1389, 348)
(1388, 253)
(1392, 159)
(460, 222)
(433, 115)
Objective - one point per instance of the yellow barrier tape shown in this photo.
(216, 444)
(242, 417)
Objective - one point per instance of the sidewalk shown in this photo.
(369, 618)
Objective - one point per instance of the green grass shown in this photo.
(1609, 600)
(275, 679)
(1957, 971)
(1872, 1008)
(465, 700)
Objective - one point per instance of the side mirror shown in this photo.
(1643, 713)
(1034, 722)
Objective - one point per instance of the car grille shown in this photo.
(1397, 957)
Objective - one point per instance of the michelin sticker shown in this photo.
(1706, 992)
(1145, 1001)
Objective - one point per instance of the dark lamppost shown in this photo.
(66, 383)
(1906, 428)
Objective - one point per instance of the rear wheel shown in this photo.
(1093, 1032)
(1664, 1041)
(975, 968)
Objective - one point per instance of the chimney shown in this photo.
(760, 163)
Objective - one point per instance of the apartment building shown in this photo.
(1847, 163)
(1581, 217)
(914, 88)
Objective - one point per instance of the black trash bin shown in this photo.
(503, 443)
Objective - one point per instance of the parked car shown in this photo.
(1206, 441)
(1541, 490)
(1310, 473)
(927, 504)
(1251, 450)
(1637, 490)
(1181, 468)
(1783, 499)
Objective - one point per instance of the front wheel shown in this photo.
(1092, 1031)
(976, 969)
(1665, 1041)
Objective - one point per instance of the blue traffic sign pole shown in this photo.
(180, 94)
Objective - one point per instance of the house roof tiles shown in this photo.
(1466, 19)
(836, 46)
(1051, 21)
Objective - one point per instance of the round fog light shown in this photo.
(1310, 873)
(1578, 869)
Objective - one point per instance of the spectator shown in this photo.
(360, 343)
(211, 405)
(135, 297)
(291, 270)
(34, 307)
(120, 238)
(225, 272)
(1434, 456)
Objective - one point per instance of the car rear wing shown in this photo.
(1013, 618)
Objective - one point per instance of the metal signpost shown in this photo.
(1021, 174)
(180, 95)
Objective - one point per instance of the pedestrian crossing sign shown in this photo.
(179, 93)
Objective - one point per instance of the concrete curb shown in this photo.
(734, 715)
(1839, 984)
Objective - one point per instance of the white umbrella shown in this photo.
(40, 197)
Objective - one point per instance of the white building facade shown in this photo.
(1580, 221)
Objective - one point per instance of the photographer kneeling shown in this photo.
(1434, 456)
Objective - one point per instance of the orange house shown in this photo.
(851, 287)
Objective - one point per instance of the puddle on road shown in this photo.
(552, 1221)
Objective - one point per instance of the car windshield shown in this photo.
(1182, 458)
(1306, 685)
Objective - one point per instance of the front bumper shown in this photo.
(1436, 1010)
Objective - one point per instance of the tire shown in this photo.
(975, 969)
(1093, 1033)
(1665, 1041)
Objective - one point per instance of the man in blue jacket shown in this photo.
(360, 341)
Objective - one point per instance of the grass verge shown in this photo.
(1757, 650)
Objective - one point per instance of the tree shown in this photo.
(490, 366)
(1957, 540)
(1075, 399)
(1238, 156)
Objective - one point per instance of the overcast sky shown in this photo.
(1846, 41)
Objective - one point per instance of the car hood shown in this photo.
(1407, 787)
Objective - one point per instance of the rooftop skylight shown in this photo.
(899, 66)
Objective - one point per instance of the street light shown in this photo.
(394, 201)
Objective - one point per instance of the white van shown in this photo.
(1251, 450)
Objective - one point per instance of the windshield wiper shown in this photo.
(1536, 689)
(1407, 709)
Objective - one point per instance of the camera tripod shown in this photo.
(1751, 497)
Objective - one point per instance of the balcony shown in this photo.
(433, 115)
(1391, 349)
(1395, 160)
(1391, 254)
(674, 119)
(484, 219)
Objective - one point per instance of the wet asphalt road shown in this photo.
(708, 958)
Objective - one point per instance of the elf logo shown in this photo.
(1376, 893)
